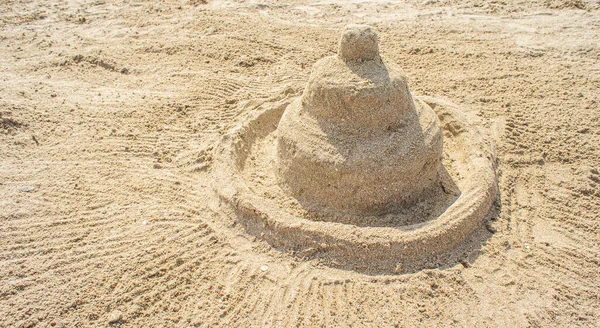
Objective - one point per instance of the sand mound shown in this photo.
(351, 171)
(355, 142)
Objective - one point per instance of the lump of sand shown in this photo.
(355, 172)
(355, 142)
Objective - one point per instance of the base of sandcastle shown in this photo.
(396, 242)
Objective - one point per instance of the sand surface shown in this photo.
(110, 110)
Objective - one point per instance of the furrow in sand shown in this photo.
(196, 265)
(352, 289)
(220, 91)
(52, 242)
(268, 291)
(152, 266)
(248, 296)
(287, 314)
(575, 226)
(167, 268)
(75, 259)
(96, 212)
(310, 312)
(272, 307)
(570, 263)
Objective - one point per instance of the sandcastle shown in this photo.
(356, 171)
(355, 141)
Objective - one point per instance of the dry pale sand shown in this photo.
(110, 112)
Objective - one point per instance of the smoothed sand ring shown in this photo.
(468, 156)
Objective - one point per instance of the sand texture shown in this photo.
(111, 113)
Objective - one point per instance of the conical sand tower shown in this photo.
(355, 142)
